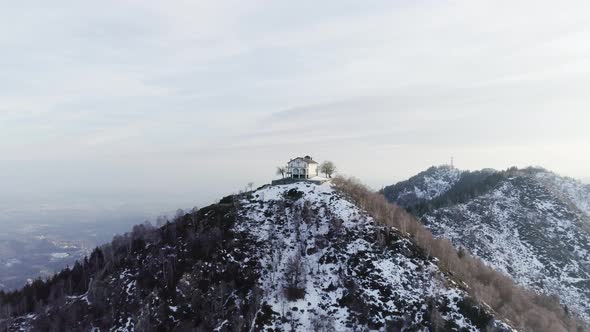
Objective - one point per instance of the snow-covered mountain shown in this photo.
(531, 224)
(571, 191)
(290, 257)
(424, 186)
(349, 280)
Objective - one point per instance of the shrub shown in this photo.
(293, 194)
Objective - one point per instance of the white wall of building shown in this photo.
(313, 170)
(300, 163)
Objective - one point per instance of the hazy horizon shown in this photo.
(143, 107)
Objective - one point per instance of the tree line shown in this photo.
(141, 273)
(522, 308)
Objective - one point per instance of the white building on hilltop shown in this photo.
(302, 168)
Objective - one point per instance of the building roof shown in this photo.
(307, 159)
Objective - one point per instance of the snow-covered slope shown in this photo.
(349, 280)
(570, 191)
(533, 225)
(296, 257)
(424, 186)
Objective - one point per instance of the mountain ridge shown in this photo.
(293, 257)
(530, 224)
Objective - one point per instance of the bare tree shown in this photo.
(328, 168)
(295, 274)
(161, 220)
(437, 322)
(322, 323)
(281, 171)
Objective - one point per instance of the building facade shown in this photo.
(302, 168)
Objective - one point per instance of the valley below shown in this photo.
(36, 247)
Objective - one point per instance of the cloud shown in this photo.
(186, 91)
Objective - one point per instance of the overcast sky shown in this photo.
(165, 104)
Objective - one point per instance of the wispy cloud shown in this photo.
(185, 91)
